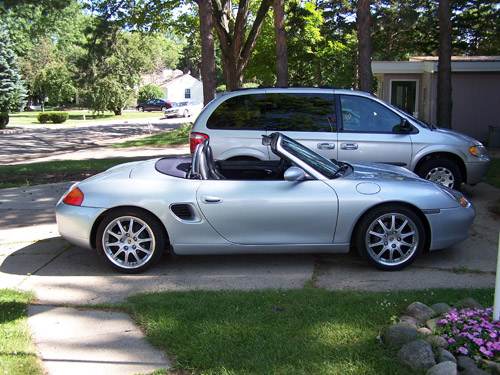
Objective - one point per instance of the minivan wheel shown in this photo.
(390, 237)
(131, 240)
(441, 170)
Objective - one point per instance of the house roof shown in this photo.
(421, 64)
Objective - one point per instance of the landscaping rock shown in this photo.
(468, 303)
(443, 368)
(465, 362)
(444, 355)
(420, 311)
(441, 308)
(474, 371)
(417, 354)
(438, 341)
(433, 324)
(424, 331)
(400, 334)
(493, 366)
(409, 320)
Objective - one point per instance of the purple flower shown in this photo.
(462, 350)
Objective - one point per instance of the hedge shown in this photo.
(55, 117)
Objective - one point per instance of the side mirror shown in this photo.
(404, 128)
(295, 174)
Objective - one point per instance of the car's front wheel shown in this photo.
(442, 171)
(186, 113)
(131, 240)
(390, 237)
(140, 109)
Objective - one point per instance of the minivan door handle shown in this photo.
(326, 146)
(349, 146)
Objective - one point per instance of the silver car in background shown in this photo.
(184, 109)
(344, 125)
(301, 203)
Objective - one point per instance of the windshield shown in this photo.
(326, 167)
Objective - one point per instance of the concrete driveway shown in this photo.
(34, 257)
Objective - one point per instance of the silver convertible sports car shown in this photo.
(134, 212)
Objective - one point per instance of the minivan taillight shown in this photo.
(195, 139)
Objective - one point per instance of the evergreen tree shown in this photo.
(12, 90)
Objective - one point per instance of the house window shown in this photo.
(187, 94)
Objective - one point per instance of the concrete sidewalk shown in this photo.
(82, 342)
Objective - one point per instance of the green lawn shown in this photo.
(29, 118)
(493, 176)
(17, 352)
(280, 332)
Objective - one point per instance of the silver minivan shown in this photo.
(346, 125)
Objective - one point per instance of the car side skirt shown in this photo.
(220, 249)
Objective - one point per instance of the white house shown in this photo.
(176, 85)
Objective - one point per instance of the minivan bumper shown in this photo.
(476, 171)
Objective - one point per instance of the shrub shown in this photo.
(55, 117)
(4, 119)
(59, 117)
(43, 117)
(150, 92)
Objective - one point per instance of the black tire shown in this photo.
(186, 113)
(140, 109)
(390, 237)
(163, 109)
(131, 240)
(442, 171)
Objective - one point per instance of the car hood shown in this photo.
(459, 137)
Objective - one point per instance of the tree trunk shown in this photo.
(207, 50)
(364, 46)
(444, 100)
(236, 51)
(281, 50)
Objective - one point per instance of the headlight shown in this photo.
(456, 195)
(478, 150)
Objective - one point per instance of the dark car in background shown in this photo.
(154, 105)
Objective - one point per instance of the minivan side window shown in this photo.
(304, 112)
(244, 112)
(361, 114)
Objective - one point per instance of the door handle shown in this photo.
(211, 199)
(349, 146)
(326, 146)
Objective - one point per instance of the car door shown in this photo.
(270, 212)
(371, 132)
(308, 117)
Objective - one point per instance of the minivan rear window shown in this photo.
(304, 112)
(243, 112)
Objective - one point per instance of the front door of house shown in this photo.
(404, 96)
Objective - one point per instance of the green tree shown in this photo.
(54, 84)
(12, 90)
(149, 92)
(112, 68)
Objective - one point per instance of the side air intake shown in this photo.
(182, 211)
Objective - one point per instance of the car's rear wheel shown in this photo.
(163, 109)
(442, 171)
(390, 237)
(131, 240)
